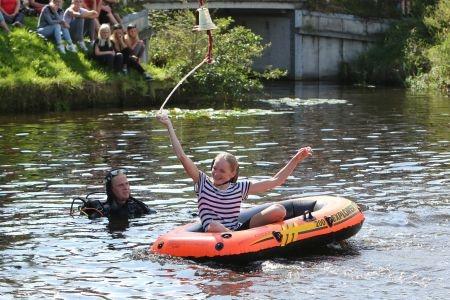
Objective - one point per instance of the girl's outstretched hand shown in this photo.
(303, 153)
(163, 117)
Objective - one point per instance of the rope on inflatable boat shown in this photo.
(207, 59)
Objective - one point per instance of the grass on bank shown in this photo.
(27, 58)
(34, 75)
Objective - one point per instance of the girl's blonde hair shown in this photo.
(232, 160)
(102, 42)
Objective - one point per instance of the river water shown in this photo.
(386, 149)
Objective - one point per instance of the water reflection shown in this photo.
(386, 149)
(118, 224)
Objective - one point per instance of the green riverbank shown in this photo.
(35, 77)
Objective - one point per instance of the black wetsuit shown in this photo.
(133, 208)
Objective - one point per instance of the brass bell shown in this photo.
(204, 20)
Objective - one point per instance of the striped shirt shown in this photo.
(223, 206)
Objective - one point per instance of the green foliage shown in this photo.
(27, 58)
(438, 75)
(362, 8)
(436, 18)
(55, 81)
(208, 113)
(178, 49)
(130, 7)
(414, 52)
(399, 54)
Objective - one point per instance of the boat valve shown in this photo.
(329, 221)
(307, 216)
(219, 246)
(277, 235)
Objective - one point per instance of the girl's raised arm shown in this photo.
(189, 166)
(282, 175)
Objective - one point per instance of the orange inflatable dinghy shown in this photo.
(310, 222)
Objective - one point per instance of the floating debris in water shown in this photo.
(296, 102)
(204, 113)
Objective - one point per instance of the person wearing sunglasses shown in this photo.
(119, 203)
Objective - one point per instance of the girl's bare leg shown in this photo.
(272, 214)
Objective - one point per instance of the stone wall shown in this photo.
(324, 41)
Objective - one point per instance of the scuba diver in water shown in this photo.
(119, 203)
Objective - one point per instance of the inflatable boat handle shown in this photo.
(310, 216)
(277, 235)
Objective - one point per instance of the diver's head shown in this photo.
(117, 186)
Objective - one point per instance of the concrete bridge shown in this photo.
(309, 45)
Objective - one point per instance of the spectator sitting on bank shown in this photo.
(3, 23)
(37, 5)
(104, 51)
(11, 12)
(51, 24)
(107, 15)
(75, 16)
(130, 61)
(133, 42)
(91, 26)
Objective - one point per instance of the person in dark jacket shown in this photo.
(104, 51)
(119, 204)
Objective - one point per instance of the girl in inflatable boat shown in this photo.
(220, 196)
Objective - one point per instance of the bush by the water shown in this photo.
(177, 49)
(414, 52)
(436, 50)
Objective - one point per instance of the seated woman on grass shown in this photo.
(133, 42)
(11, 12)
(129, 60)
(52, 25)
(104, 51)
(219, 196)
(75, 16)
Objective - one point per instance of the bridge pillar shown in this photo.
(323, 41)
